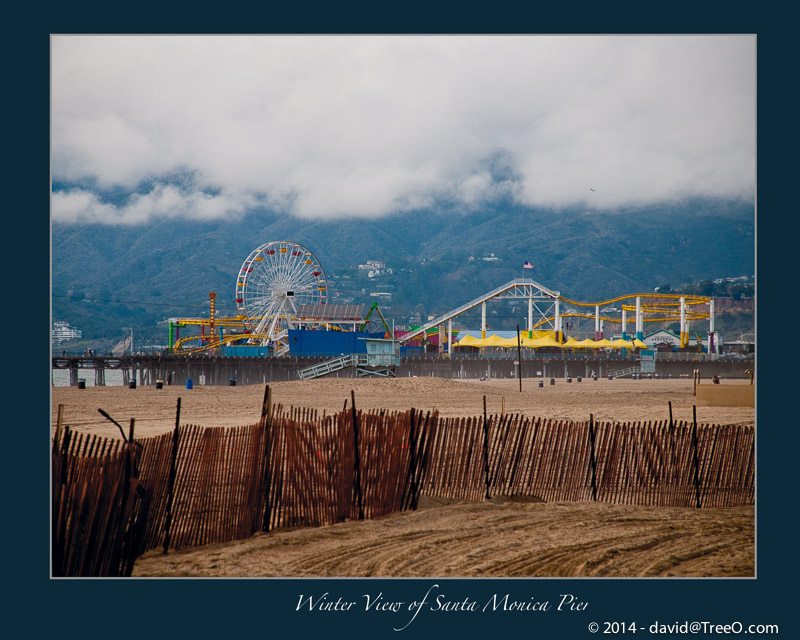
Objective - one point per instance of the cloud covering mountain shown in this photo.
(150, 128)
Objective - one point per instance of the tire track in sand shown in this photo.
(498, 538)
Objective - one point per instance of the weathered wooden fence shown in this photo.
(98, 507)
(113, 501)
(658, 464)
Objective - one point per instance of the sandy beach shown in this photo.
(500, 537)
(220, 406)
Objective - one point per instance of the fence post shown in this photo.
(421, 442)
(266, 422)
(519, 358)
(673, 460)
(266, 405)
(59, 471)
(122, 556)
(59, 425)
(696, 458)
(591, 457)
(173, 470)
(412, 445)
(357, 467)
(410, 491)
(486, 448)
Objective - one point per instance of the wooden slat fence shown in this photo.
(648, 464)
(113, 501)
(98, 506)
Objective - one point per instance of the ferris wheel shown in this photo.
(273, 281)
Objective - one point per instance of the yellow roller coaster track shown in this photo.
(237, 321)
(663, 306)
(670, 311)
(689, 299)
(216, 341)
(689, 316)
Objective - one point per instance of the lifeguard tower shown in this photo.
(381, 359)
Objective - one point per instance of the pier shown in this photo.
(206, 369)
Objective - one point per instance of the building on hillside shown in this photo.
(373, 265)
(63, 332)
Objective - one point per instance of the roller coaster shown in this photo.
(664, 307)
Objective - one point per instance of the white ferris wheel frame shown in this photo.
(273, 280)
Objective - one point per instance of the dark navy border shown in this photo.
(233, 608)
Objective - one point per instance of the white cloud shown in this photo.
(164, 201)
(79, 205)
(365, 125)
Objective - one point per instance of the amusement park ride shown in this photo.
(274, 283)
(281, 286)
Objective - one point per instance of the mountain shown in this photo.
(105, 278)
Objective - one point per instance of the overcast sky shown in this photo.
(332, 126)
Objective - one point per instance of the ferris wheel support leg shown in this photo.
(274, 323)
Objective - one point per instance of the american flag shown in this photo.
(527, 265)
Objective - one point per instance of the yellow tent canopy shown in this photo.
(545, 341)
(496, 341)
(548, 342)
(469, 341)
(537, 334)
(621, 344)
(489, 341)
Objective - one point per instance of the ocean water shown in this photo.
(60, 377)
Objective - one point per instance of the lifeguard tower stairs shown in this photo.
(381, 360)
(647, 364)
